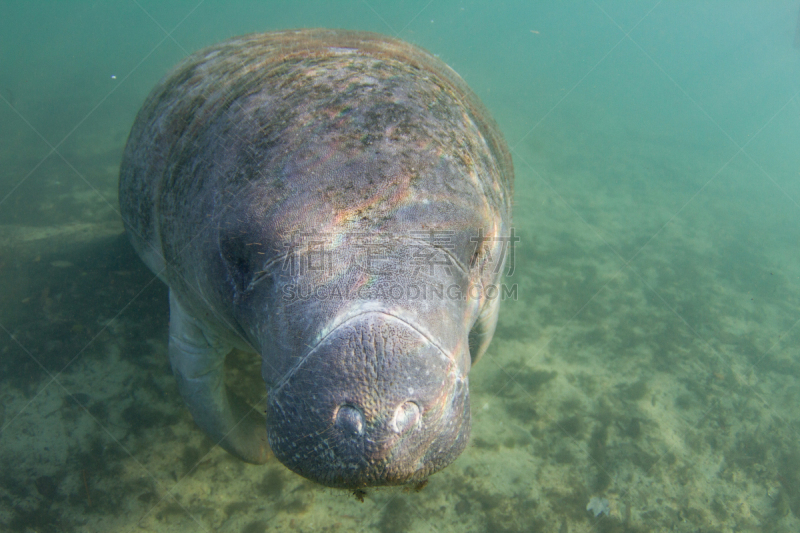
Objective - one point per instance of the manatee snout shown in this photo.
(375, 402)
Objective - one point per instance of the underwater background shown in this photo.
(647, 377)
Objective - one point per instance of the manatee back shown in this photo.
(240, 112)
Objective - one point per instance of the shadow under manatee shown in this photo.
(62, 288)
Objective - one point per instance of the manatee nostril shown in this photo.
(406, 417)
(350, 420)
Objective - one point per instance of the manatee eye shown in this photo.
(236, 256)
(477, 254)
(244, 256)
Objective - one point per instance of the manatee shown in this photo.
(338, 203)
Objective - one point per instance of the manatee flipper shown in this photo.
(482, 331)
(197, 357)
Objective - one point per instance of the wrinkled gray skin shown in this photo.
(265, 157)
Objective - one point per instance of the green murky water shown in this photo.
(649, 361)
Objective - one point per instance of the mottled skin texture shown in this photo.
(333, 137)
